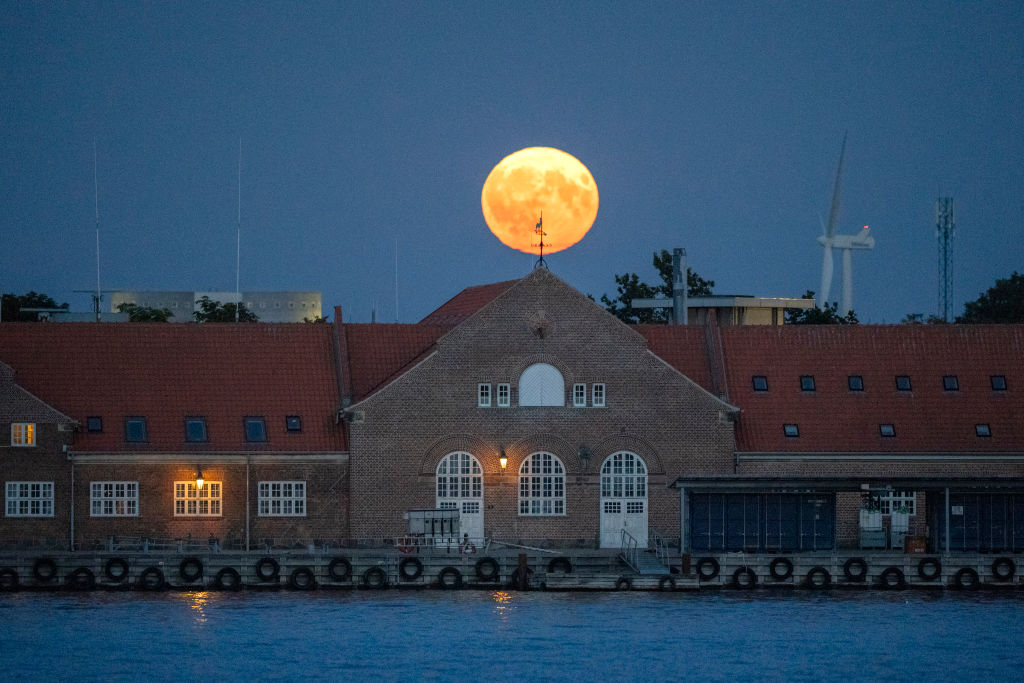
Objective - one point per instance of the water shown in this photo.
(480, 635)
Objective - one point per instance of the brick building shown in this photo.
(525, 409)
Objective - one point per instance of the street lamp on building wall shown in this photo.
(503, 460)
(584, 455)
(199, 478)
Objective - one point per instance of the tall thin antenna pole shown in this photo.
(945, 230)
(396, 279)
(96, 191)
(540, 231)
(238, 236)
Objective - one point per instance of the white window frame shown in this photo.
(28, 499)
(598, 395)
(281, 498)
(504, 395)
(191, 501)
(542, 486)
(483, 395)
(579, 395)
(23, 434)
(896, 498)
(459, 477)
(624, 475)
(542, 384)
(114, 499)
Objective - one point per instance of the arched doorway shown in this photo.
(460, 486)
(623, 499)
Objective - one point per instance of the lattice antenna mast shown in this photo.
(540, 232)
(945, 230)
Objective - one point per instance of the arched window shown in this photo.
(541, 385)
(458, 477)
(542, 485)
(623, 475)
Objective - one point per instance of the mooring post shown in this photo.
(524, 580)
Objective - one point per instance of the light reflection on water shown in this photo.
(473, 635)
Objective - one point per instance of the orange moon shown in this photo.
(535, 180)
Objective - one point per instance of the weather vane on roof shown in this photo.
(540, 231)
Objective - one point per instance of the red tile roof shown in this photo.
(684, 347)
(379, 353)
(466, 303)
(165, 372)
(833, 418)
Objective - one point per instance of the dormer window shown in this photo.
(135, 430)
(791, 430)
(950, 383)
(759, 382)
(23, 434)
(541, 385)
(195, 429)
(806, 382)
(998, 382)
(255, 429)
(902, 382)
(855, 383)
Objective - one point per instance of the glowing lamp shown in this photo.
(503, 460)
(199, 478)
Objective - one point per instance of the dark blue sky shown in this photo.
(712, 126)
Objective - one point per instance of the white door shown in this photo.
(623, 499)
(460, 486)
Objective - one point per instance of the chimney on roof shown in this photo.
(679, 313)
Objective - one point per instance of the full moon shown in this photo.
(539, 180)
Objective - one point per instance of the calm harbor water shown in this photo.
(476, 635)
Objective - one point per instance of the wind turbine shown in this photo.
(862, 240)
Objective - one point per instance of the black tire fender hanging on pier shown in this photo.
(707, 568)
(302, 579)
(560, 564)
(190, 569)
(818, 577)
(744, 577)
(374, 577)
(340, 569)
(44, 569)
(487, 569)
(267, 569)
(855, 569)
(966, 579)
(8, 579)
(116, 569)
(786, 570)
(449, 577)
(410, 568)
(893, 578)
(666, 583)
(81, 579)
(1003, 569)
(152, 579)
(623, 584)
(929, 568)
(227, 579)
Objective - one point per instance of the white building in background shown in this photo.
(271, 307)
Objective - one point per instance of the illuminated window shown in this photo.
(998, 382)
(806, 382)
(483, 395)
(759, 382)
(899, 500)
(541, 385)
(255, 429)
(191, 501)
(459, 477)
(791, 430)
(887, 430)
(597, 396)
(23, 434)
(542, 486)
(282, 498)
(982, 430)
(114, 499)
(504, 395)
(29, 499)
(94, 424)
(579, 395)
(902, 382)
(195, 429)
(950, 383)
(293, 423)
(135, 430)
(855, 383)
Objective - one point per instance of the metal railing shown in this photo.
(630, 550)
(660, 546)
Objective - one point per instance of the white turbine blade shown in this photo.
(826, 276)
(833, 212)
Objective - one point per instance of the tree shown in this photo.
(10, 308)
(819, 316)
(145, 314)
(919, 319)
(316, 320)
(1002, 303)
(629, 288)
(216, 312)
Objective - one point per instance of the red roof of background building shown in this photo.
(378, 353)
(466, 303)
(165, 372)
(833, 418)
(684, 347)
